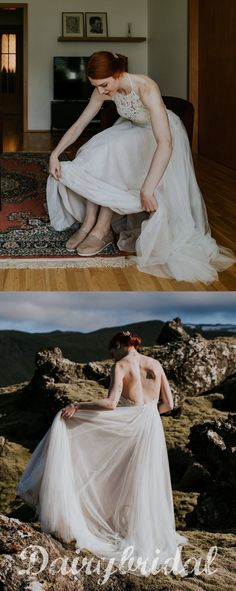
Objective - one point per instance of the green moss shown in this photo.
(12, 464)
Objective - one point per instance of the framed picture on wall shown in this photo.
(73, 24)
(96, 24)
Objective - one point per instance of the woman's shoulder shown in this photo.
(154, 363)
(143, 83)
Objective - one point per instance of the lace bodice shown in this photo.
(130, 106)
(126, 402)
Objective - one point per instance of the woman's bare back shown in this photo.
(141, 378)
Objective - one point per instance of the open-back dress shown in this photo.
(102, 479)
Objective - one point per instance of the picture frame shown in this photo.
(96, 24)
(73, 24)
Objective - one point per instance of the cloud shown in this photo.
(87, 311)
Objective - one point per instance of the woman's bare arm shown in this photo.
(108, 403)
(151, 98)
(166, 397)
(74, 132)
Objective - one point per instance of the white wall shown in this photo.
(164, 57)
(167, 45)
(45, 27)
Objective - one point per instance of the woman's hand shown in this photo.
(149, 202)
(69, 411)
(54, 167)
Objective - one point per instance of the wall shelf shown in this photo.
(102, 39)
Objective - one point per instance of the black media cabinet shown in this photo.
(64, 114)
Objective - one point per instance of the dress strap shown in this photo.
(131, 83)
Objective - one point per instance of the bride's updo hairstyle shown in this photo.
(104, 64)
(125, 339)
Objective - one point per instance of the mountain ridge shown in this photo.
(18, 348)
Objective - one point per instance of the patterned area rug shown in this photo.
(26, 237)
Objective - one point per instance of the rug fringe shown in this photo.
(80, 263)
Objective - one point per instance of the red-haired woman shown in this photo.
(101, 475)
(137, 178)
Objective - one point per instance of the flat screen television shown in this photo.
(70, 78)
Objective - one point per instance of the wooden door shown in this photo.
(12, 24)
(212, 76)
(11, 70)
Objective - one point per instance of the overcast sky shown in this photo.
(88, 311)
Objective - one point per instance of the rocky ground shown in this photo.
(201, 441)
(17, 537)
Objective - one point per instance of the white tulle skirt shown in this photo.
(102, 479)
(175, 241)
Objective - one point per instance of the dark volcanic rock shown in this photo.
(53, 369)
(172, 331)
(16, 537)
(44, 391)
(213, 444)
(214, 441)
(180, 460)
(51, 363)
(196, 478)
(228, 390)
(99, 371)
(58, 381)
(193, 364)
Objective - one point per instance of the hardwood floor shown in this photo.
(15, 140)
(127, 279)
(218, 185)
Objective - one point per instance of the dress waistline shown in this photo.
(126, 402)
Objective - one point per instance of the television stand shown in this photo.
(65, 112)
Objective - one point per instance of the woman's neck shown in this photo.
(132, 352)
(124, 86)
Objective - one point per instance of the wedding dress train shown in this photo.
(102, 479)
(109, 170)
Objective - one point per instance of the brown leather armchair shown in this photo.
(183, 108)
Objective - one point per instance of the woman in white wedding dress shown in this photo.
(100, 476)
(136, 177)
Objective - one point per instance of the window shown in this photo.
(8, 63)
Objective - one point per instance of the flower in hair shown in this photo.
(126, 333)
